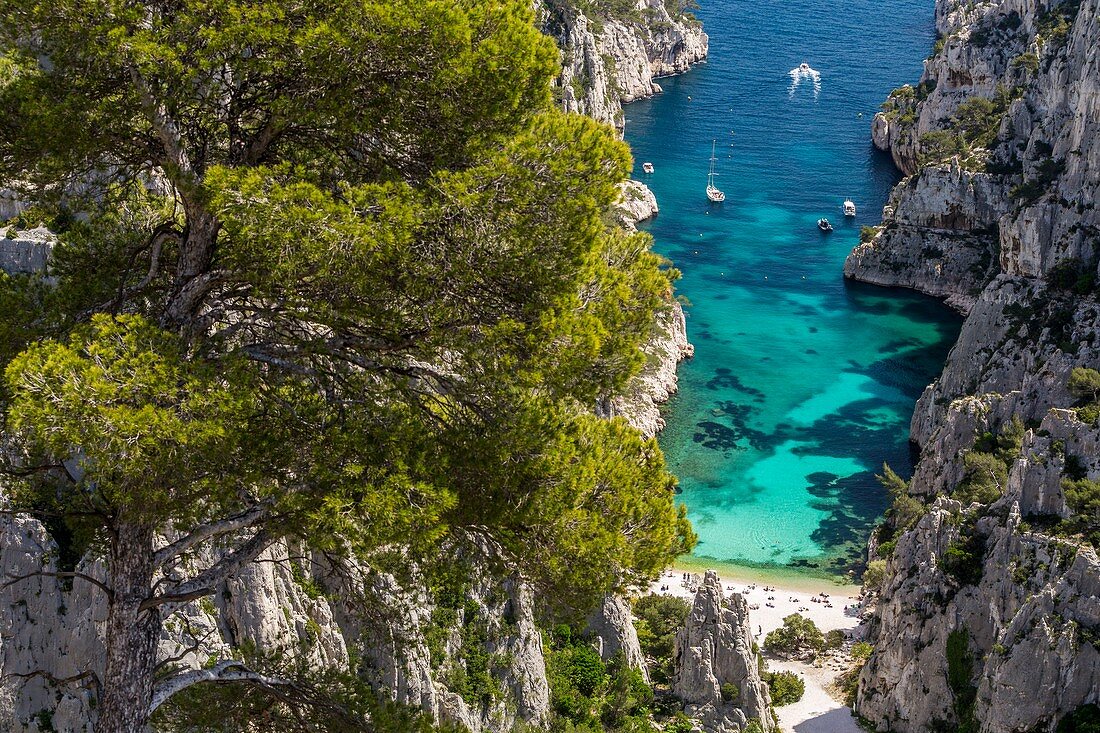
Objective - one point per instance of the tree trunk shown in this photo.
(132, 634)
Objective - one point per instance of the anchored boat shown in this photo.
(849, 208)
(712, 191)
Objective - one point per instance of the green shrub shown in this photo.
(1083, 498)
(785, 687)
(834, 639)
(862, 650)
(730, 692)
(963, 560)
(939, 146)
(1085, 719)
(905, 511)
(659, 618)
(797, 636)
(1028, 61)
(960, 671)
(868, 233)
(1085, 384)
(874, 574)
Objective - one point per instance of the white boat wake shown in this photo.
(804, 72)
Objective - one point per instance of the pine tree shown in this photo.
(327, 270)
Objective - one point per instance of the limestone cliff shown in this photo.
(989, 615)
(611, 59)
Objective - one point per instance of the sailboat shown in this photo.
(712, 191)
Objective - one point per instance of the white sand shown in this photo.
(817, 711)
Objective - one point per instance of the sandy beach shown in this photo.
(770, 601)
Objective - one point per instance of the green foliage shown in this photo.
(372, 322)
(659, 617)
(1083, 498)
(963, 560)
(1073, 275)
(1033, 188)
(906, 510)
(1054, 24)
(797, 636)
(834, 639)
(1085, 719)
(587, 694)
(785, 687)
(874, 574)
(939, 146)
(847, 683)
(985, 467)
(861, 650)
(960, 672)
(1084, 384)
(977, 119)
(317, 702)
(730, 692)
(868, 233)
(1027, 61)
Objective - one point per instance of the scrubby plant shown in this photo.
(834, 639)
(659, 617)
(874, 574)
(798, 636)
(785, 687)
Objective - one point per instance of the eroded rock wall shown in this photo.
(609, 61)
(990, 611)
(717, 672)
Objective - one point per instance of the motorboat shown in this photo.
(824, 225)
(647, 167)
(804, 68)
(849, 208)
(712, 191)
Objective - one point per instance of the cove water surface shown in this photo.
(802, 384)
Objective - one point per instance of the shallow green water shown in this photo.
(802, 384)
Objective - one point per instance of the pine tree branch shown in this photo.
(207, 581)
(207, 531)
(47, 574)
(225, 671)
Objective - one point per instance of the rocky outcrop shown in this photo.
(609, 61)
(26, 250)
(636, 204)
(938, 236)
(717, 673)
(611, 626)
(987, 612)
(640, 405)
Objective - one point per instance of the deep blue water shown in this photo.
(802, 384)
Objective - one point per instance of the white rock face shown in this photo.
(987, 242)
(612, 627)
(714, 648)
(609, 62)
(25, 251)
(938, 236)
(636, 203)
(640, 406)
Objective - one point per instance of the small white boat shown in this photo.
(849, 208)
(804, 67)
(824, 225)
(647, 167)
(712, 191)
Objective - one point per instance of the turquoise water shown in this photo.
(802, 384)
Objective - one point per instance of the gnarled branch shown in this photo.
(209, 530)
